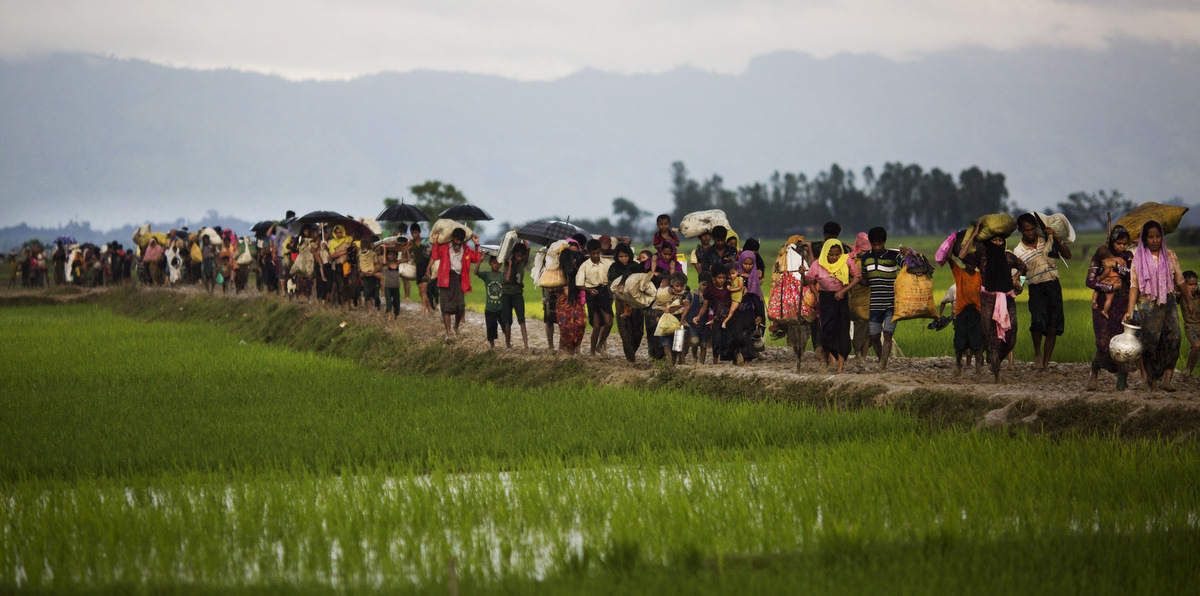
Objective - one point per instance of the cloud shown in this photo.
(542, 39)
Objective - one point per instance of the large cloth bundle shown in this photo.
(213, 237)
(990, 226)
(639, 290)
(507, 244)
(552, 275)
(303, 265)
(539, 265)
(142, 236)
(789, 259)
(194, 252)
(697, 223)
(245, 254)
(1060, 224)
(914, 297)
(446, 227)
(1168, 216)
(784, 304)
(174, 263)
(860, 302)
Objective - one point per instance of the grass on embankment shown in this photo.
(91, 393)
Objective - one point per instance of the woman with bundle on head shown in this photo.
(1107, 323)
(834, 274)
(1154, 278)
(997, 298)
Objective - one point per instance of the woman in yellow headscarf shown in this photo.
(834, 274)
(733, 244)
(343, 252)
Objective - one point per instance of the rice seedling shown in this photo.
(169, 456)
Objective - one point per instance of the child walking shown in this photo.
(391, 285)
(493, 285)
(698, 323)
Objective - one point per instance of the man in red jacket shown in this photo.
(454, 261)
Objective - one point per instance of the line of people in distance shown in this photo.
(725, 316)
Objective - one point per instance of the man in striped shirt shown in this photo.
(1046, 318)
(879, 269)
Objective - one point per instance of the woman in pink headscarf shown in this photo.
(1153, 279)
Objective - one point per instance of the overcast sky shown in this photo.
(546, 39)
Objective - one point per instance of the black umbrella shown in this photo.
(465, 213)
(315, 217)
(402, 212)
(353, 227)
(261, 228)
(549, 231)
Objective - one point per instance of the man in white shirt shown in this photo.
(593, 278)
(1046, 318)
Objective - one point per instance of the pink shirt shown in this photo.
(827, 282)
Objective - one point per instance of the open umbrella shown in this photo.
(549, 231)
(261, 228)
(353, 228)
(465, 213)
(402, 212)
(315, 217)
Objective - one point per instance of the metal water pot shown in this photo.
(1126, 347)
(677, 341)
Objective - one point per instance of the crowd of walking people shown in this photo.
(843, 295)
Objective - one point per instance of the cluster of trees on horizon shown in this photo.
(906, 199)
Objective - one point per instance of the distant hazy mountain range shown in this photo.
(114, 142)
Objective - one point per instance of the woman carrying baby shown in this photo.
(1108, 275)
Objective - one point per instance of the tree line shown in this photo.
(906, 199)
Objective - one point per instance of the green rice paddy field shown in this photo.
(1076, 345)
(171, 456)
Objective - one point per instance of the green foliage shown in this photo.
(903, 198)
(434, 197)
(1091, 211)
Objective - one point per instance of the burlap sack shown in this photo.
(1168, 216)
(914, 297)
(860, 302)
(997, 224)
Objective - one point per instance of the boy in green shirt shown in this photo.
(493, 284)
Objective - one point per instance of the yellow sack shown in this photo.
(197, 256)
(1168, 216)
(667, 324)
(860, 302)
(914, 297)
(997, 224)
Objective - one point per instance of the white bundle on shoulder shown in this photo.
(552, 254)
